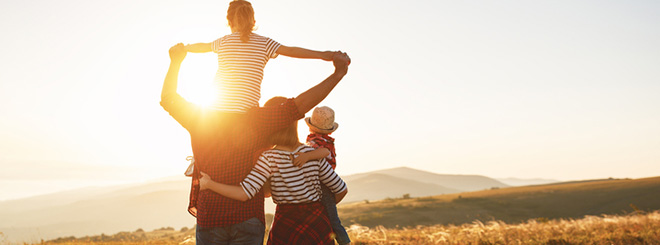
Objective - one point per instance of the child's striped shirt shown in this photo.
(240, 70)
(291, 184)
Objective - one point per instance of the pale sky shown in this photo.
(555, 89)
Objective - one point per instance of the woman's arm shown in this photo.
(303, 53)
(199, 48)
(247, 189)
(302, 158)
(232, 191)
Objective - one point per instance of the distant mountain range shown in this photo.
(164, 203)
(395, 182)
(525, 182)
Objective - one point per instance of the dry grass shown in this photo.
(636, 228)
(607, 229)
(159, 236)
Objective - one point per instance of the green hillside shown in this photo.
(511, 205)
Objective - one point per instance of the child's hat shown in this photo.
(322, 120)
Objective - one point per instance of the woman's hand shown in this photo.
(204, 181)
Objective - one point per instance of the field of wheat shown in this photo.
(635, 228)
(628, 229)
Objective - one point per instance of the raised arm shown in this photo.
(304, 53)
(199, 48)
(177, 54)
(313, 96)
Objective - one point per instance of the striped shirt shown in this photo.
(290, 184)
(240, 70)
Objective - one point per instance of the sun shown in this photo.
(196, 79)
(200, 95)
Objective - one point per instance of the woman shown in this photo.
(299, 217)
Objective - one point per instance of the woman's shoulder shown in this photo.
(275, 153)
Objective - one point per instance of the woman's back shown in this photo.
(291, 184)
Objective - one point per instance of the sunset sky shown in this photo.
(561, 90)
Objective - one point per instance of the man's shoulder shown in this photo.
(281, 110)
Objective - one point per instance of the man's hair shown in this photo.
(287, 136)
(241, 18)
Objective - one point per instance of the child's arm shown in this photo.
(232, 191)
(199, 48)
(302, 158)
(303, 53)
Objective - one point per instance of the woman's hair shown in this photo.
(241, 18)
(287, 136)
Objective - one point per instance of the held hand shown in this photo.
(177, 52)
(329, 55)
(204, 181)
(341, 62)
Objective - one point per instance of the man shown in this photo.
(226, 146)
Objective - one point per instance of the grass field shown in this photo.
(634, 228)
(615, 211)
(608, 229)
(510, 205)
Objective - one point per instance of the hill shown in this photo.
(113, 209)
(510, 205)
(524, 182)
(129, 208)
(454, 183)
(97, 210)
(380, 186)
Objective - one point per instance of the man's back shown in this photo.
(226, 146)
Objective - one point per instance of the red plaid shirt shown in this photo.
(324, 141)
(226, 146)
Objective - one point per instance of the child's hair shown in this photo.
(241, 18)
(287, 136)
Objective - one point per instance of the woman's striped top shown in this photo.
(290, 184)
(240, 70)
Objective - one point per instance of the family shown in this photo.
(244, 152)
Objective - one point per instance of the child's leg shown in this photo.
(328, 200)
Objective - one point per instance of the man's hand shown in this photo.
(341, 62)
(178, 52)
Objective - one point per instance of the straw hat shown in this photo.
(322, 120)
